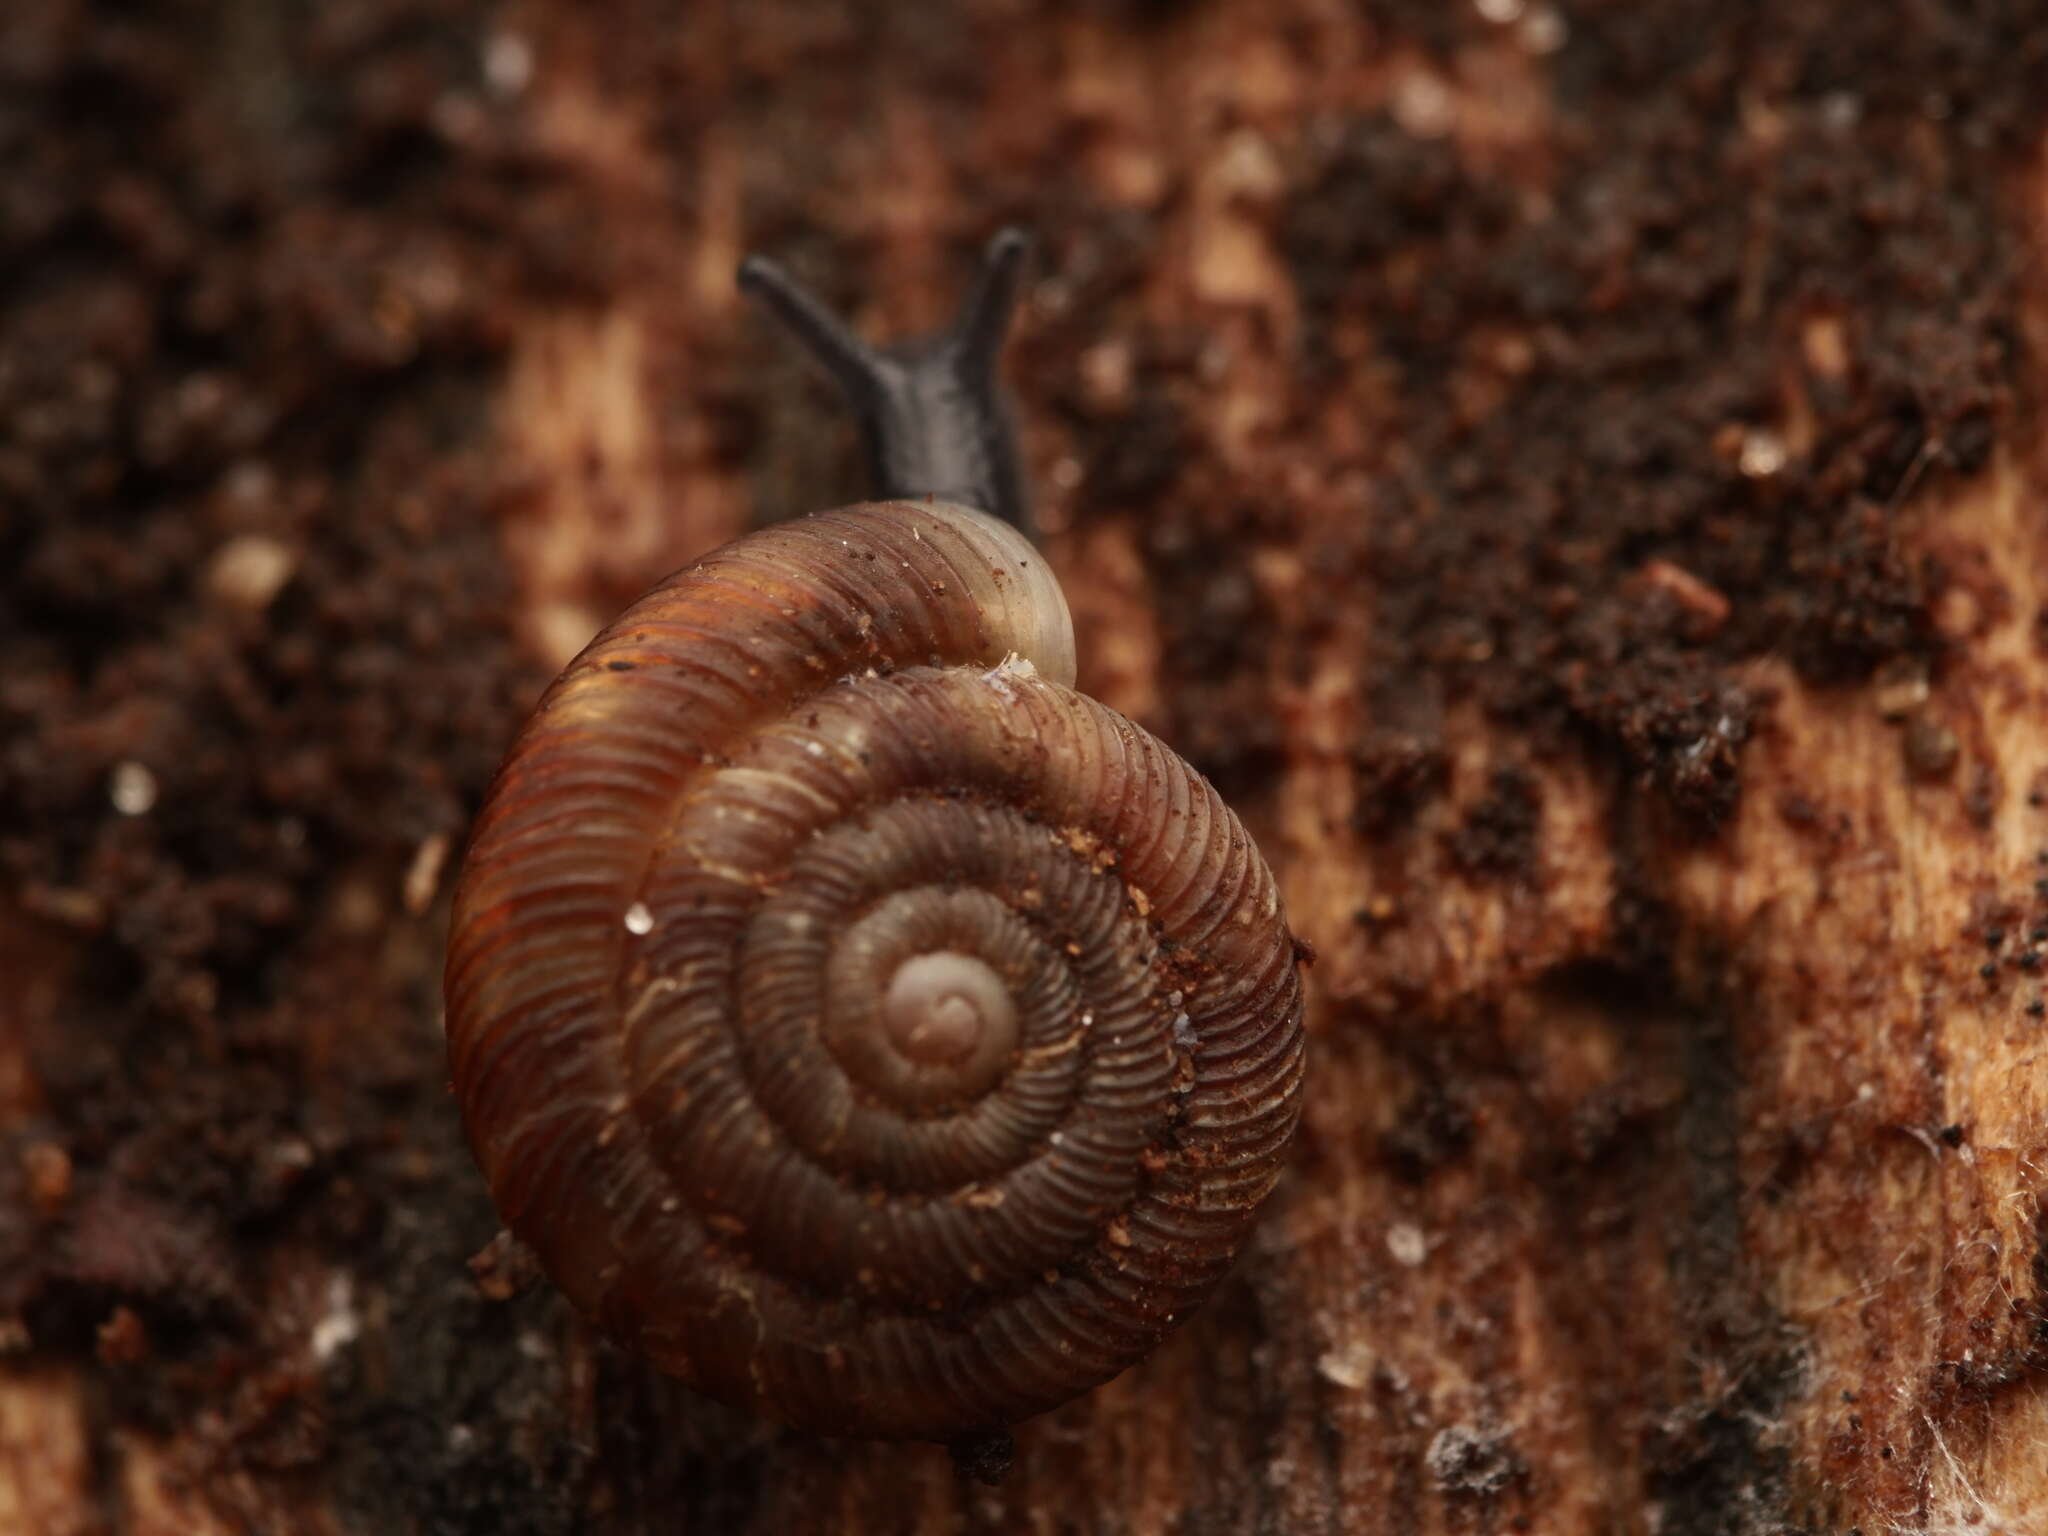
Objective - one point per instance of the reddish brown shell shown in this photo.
(714, 1079)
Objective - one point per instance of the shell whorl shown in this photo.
(856, 1020)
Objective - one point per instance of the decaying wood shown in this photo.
(1570, 472)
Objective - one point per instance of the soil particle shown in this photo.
(1499, 834)
(1930, 748)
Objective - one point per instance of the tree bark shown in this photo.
(1570, 473)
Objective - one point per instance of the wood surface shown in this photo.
(1570, 473)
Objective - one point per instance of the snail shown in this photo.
(856, 1021)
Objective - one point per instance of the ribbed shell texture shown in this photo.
(817, 753)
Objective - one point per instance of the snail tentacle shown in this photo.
(932, 415)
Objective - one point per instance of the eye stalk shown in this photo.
(933, 417)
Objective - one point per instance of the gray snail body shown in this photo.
(857, 1021)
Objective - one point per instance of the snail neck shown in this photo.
(932, 414)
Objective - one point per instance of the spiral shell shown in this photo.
(857, 1021)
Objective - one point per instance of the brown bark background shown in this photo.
(1570, 472)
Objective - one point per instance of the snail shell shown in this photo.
(857, 1021)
